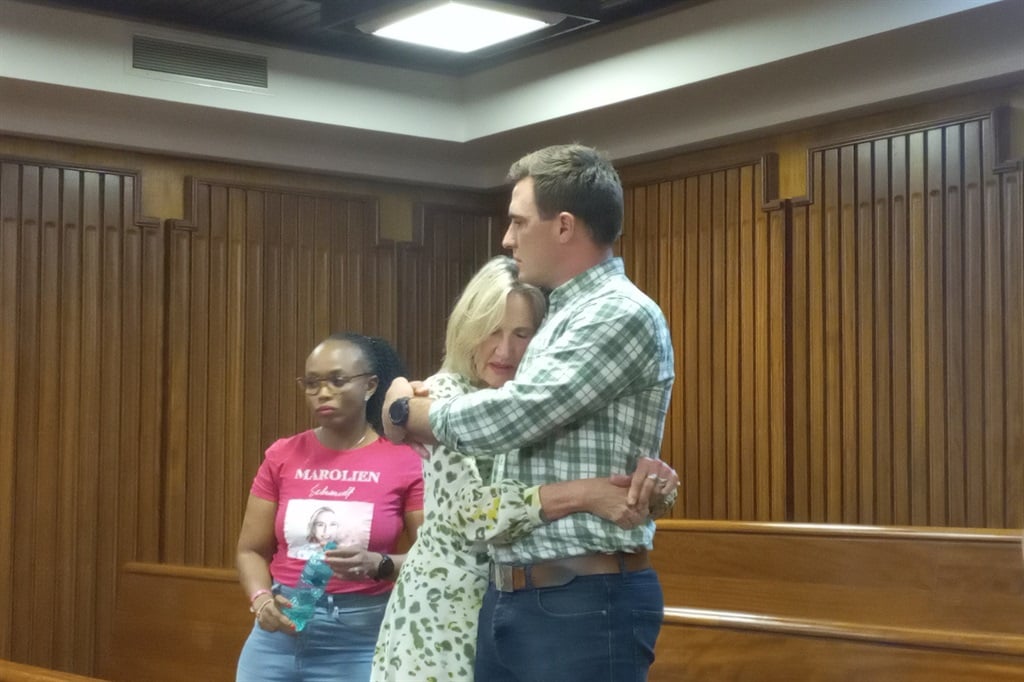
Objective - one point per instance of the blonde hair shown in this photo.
(479, 310)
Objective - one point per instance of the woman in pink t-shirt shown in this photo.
(337, 485)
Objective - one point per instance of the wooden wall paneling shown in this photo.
(725, 302)
(1011, 223)
(450, 244)
(74, 432)
(907, 343)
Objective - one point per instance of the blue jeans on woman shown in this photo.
(335, 646)
(596, 628)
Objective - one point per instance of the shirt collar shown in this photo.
(588, 280)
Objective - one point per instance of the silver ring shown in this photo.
(662, 481)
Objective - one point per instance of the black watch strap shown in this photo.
(386, 567)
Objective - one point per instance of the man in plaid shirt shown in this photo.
(576, 599)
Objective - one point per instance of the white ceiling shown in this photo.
(706, 73)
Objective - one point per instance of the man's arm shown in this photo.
(604, 351)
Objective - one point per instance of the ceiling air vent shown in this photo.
(195, 61)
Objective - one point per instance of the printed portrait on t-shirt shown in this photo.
(310, 524)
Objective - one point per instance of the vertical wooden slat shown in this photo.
(866, 325)
(752, 313)
(950, 192)
(48, 389)
(799, 348)
(976, 453)
(691, 351)
(24, 645)
(70, 307)
(10, 209)
(257, 359)
(903, 287)
(878, 435)
(731, 320)
(941, 257)
(775, 408)
(111, 344)
(87, 493)
(848, 237)
(833, 354)
(922, 340)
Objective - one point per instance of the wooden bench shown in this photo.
(175, 623)
(785, 602)
(744, 602)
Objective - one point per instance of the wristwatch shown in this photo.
(399, 412)
(386, 567)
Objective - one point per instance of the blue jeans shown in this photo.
(597, 628)
(335, 646)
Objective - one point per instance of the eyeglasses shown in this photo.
(335, 382)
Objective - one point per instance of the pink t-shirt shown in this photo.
(354, 497)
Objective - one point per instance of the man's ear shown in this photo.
(566, 227)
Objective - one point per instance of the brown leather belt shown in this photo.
(558, 572)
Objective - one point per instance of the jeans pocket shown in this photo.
(574, 599)
(646, 627)
(359, 618)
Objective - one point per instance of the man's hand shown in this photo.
(400, 388)
(651, 484)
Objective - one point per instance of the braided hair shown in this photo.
(384, 362)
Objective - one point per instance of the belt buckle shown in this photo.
(508, 578)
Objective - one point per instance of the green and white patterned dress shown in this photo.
(429, 629)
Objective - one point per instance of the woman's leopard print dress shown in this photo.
(429, 629)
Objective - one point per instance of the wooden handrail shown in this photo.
(947, 640)
(19, 672)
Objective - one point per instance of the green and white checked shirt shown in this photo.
(589, 398)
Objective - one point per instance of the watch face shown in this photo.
(399, 412)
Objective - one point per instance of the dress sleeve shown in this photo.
(497, 514)
(487, 513)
